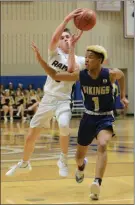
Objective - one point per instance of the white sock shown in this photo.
(63, 157)
(24, 163)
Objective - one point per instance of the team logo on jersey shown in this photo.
(104, 81)
(59, 65)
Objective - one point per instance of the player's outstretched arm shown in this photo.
(59, 30)
(63, 76)
(72, 65)
(117, 74)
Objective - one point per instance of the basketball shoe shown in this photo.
(63, 166)
(79, 175)
(20, 168)
(94, 190)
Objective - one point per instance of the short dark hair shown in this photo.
(99, 55)
(67, 30)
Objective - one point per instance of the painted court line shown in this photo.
(115, 200)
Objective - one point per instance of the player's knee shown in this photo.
(64, 130)
(63, 126)
(102, 146)
(63, 121)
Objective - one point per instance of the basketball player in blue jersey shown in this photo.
(97, 120)
(56, 100)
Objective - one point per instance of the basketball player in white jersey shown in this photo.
(56, 100)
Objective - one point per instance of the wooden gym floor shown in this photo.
(44, 186)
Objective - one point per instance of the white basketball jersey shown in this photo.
(58, 60)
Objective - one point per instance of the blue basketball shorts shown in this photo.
(91, 125)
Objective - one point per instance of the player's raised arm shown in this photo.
(59, 30)
(72, 65)
(117, 74)
(63, 76)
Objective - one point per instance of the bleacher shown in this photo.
(78, 108)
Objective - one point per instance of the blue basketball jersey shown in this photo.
(98, 93)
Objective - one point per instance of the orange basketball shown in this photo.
(86, 20)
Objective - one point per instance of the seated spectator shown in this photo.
(26, 94)
(30, 87)
(11, 90)
(7, 103)
(20, 86)
(1, 88)
(1, 99)
(39, 93)
(20, 104)
(33, 103)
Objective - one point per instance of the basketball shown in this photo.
(86, 20)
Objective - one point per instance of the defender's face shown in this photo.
(91, 60)
(63, 42)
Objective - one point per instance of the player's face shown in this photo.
(91, 60)
(63, 42)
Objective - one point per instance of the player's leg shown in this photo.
(104, 136)
(81, 162)
(39, 120)
(63, 116)
(29, 146)
(24, 165)
(63, 121)
(85, 137)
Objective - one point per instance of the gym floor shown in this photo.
(43, 184)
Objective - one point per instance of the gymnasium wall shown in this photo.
(23, 22)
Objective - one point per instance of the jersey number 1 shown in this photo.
(96, 103)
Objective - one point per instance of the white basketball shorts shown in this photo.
(48, 107)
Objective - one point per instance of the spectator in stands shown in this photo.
(40, 92)
(20, 86)
(7, 103)
(1, 99)
(26, 97)
(11, 89)
(33, 102)
(19, 89)
(30, 87)
(20, 104)
(1, 88)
